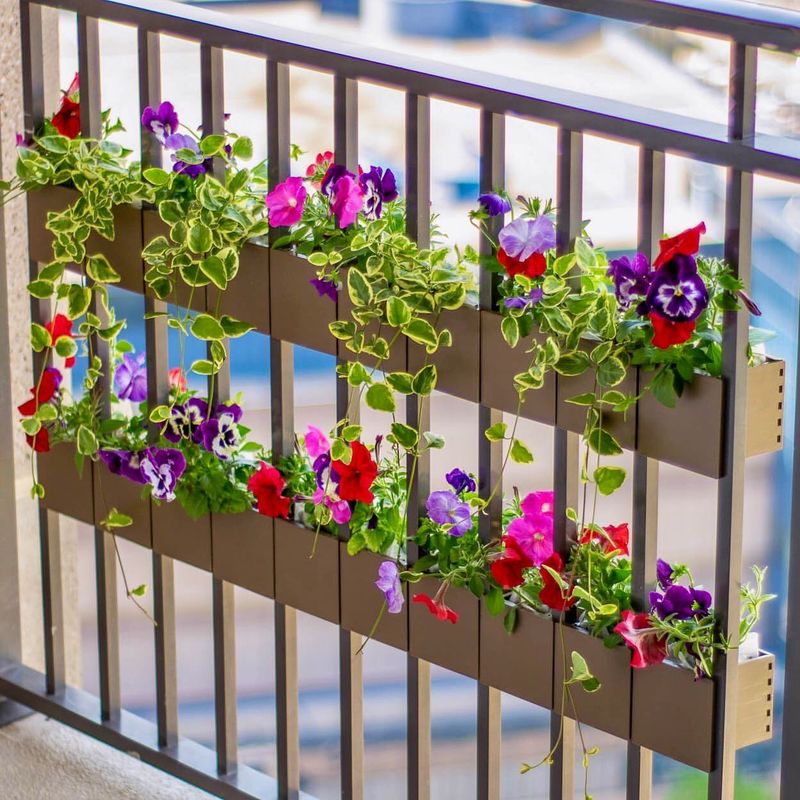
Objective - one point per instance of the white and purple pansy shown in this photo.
(161, 469)
(677, 292)
(379, 186)
(221, 432)
(186, 420)
(124, 463)
(631, 278)
(162, 121)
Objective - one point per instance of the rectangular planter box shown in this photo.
(302, 582)
(247, 295)
(67, 491)
(609, 708)
(115, 491)
(673, 714)
(453, 646)
(520, 663)
(297, 313)
(178, 536)
(362, 600)
(242, 551)
(124, 253)
(500, 363)
(154, 227)
(457, 366)
(691, 434)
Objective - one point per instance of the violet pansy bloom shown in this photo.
(322, 470)
(389, 583)
(676, 291)
(220, 433)
(285, 202)
(186, 420)
(664, 573)
(676, 600)
(378, 187)
(130, 379)
(525, 300)
(124, 463)
(494, 204)
(161, 122)
(325, 287)
(445, 508)
(347, 200)
(631, 277)
(460, 481)
(161, 469)
(702, 602)
(523, 237)
(179, 141)
(317, 442)
(332, 176)
(534, 535)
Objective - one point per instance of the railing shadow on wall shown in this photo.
(271, 558)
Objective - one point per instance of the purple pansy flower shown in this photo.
(494, 204)
(332, 176)
(161, 468)
(445, 508)
(220, 433)
(677, 600)
(130, 379)
(178, 141)
(320, 466)
(124, 463)
(325, 287)
(185, 421)
(460, 481)
(631, 277)
(161, 122)
(677, 292)
(389, 583)
(523, 237)
(664, 573)
(702, 602)
(378, 187)
(525, 300)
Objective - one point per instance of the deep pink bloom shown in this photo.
(534, 535)
(285, 202)
(316, 442)
(648, 647)
(347, 200)
(538, 503)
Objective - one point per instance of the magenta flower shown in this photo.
(389, 583)
(346, 200)
(445, 508)
(285, 202)
(523, 237)
(316, 442)
(537, 503)
(130, 379)
(534, 535)
(340, 509)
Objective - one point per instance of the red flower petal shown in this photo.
(616, 539)
(648, 647)
(667, 333)
(551, 595)
(439, 610)
(267, 484)
(356, 477)
(39, 443)
(67, 120)
(533, 266)
(687, 243)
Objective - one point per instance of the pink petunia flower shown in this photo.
(347, 200)
(538, 503)
(648, 647)
(285, 202)
(317, 443)
(534, 535)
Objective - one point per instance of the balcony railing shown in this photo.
(736, 147)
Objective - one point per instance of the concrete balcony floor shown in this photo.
(41, 759)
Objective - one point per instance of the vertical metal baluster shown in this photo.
(105, 557)
(490, 458)
(282, 408)
(730, 488)
(645, 470)
(155, 331)
(569, 201)
(49, 537)
(351, 679)
(212, 93)
(418, 673)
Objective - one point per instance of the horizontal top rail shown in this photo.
(657, 130)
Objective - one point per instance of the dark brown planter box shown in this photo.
(247, 295)
(124, 253)
(457, 366)
(362, 600)
(115, 491)
(520, 663)
(453, 646)
(66, 491)
(178, 536)
(673, 714)
(154, 227)
(573, 417)
(609, 708)
(691, 434)
(302, 582)
(500, 363)
(297, 313)
(242, 550)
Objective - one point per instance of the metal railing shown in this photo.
(736, 147)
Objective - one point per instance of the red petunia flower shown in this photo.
(59, 326)
(551, 595)
(648, 647)
(686, 243)
(177, 380)
(42, 393)
(67, 120)
(533, 266)
(266, 483)
(39, 443)
(507, 570)
(667, 333)
(616, 539)
(320, 166)
(356, 477)
(437, 607)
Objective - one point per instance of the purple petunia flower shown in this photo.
(389, 583)
(161, 122)
(378, 187)
(220, 433)
(677, 600)
(178, 141)
(631, 277)
(664, 573)
(124, 463)
(676, 291)
(445, 508)
(525, 300)
(185, 421)
(494, 204)
(130, 379)
(325, 287)
(460, 481)
(702, 602)
(161, 468)
(523, 237)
